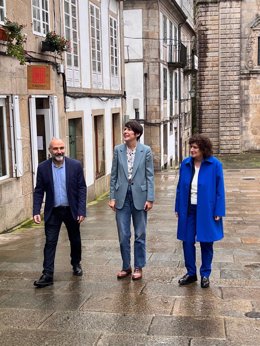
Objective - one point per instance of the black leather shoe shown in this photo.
(204, 282)
(187, 279)
(45, 280)
(77, 270)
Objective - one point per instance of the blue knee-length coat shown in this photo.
(210, 199)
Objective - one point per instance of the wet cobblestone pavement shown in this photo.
(97, 309)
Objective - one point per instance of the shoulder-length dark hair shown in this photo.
(204, 144)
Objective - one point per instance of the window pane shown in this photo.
(2, 15)
(66, 7)
(76, 61)
(67, 20)
(69, 59)
(74, 24)
(74, 11)
(67, 33)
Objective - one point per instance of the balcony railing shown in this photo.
(192, 64)
(177, 56)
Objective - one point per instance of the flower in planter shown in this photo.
(54, 42)
(15, 40)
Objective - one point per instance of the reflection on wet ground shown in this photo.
(97, 309)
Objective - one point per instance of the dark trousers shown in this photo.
(52, 230)
(189, 249)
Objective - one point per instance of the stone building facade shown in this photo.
(228, 36)
(159, 36)
(77, 95)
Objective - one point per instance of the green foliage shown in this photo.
(57, 42)
(15, 40)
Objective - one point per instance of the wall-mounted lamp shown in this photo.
(192, 93)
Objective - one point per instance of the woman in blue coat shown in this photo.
(199, 206)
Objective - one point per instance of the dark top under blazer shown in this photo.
(75, 185)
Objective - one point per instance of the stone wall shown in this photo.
(219, 36)
(250, 75)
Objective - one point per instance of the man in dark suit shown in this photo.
(62, 180)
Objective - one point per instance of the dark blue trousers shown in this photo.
(189, 248)
(52, 230)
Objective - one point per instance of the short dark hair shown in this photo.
(204, 144)
(136, 127)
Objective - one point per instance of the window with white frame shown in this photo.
(113, 46)
(40, 14)
(4, 165)
(95, 33)
(2, 10)
(71, 32)
(164, 29)
(165, 84)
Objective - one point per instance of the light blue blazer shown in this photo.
(142, 182)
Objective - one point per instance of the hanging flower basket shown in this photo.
(15, 40)
(47, 47)
(3, 35)
(55, 43)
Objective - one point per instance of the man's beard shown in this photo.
(58, 158)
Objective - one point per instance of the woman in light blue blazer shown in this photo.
(200, 206)
(132, 196)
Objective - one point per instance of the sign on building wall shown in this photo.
(38, 77)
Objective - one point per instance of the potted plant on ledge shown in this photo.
(3, 34)
(15, 40)
(55, 43)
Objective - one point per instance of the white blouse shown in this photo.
(194, 187)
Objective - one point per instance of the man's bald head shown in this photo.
(57, 150)
(56, 142)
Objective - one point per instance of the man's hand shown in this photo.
(80, 219)
(217, 218)
(112, 204)
(37, 219)
(148, 206)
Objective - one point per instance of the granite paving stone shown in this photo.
(191, 326)
(95, 321)
(97, 309)
(41, 338)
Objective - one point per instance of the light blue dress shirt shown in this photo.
(59, 182)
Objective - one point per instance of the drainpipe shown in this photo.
(122, 56)
(179, 94)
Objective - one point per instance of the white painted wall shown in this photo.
(87, 105)
(133, 32)
(134, 73)
(134, 88)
